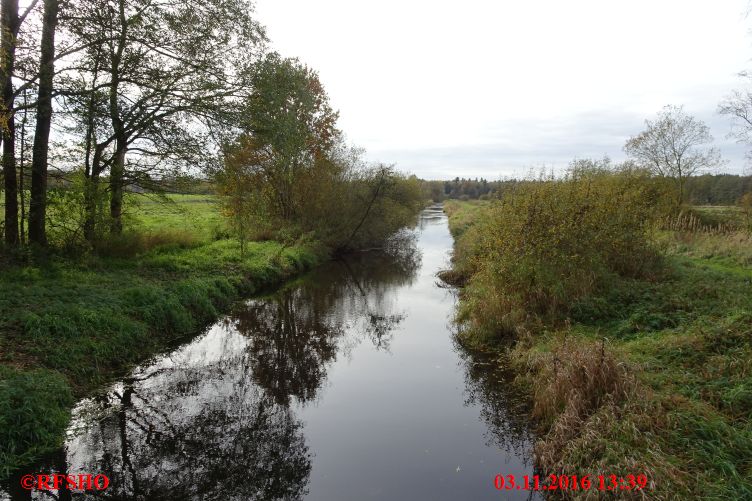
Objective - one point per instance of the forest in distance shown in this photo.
(162, 163)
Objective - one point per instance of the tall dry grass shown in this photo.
(595, 418)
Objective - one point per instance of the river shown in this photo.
(345, 384)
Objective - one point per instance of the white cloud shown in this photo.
(487, 87)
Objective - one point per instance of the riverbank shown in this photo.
(646, 375)
(68, 326)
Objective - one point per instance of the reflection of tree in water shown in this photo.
(503, 407)
(185, 434)
(295, 333)
(291, 341)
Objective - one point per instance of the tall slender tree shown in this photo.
(38, 199)
(10, 26)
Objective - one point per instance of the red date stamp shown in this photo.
(571, 482)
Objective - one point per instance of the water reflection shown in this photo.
(297, 332)
(489, 384)
(238, 412)
(184, 429)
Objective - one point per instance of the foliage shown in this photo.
(703, 189)
(550, 243)
(33, 414)
(289, 170)
(459, 187)
(463, 215)
(147, 103)
(717, 189)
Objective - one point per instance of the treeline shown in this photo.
(461, 188)
(717, 189)
(705, 189)
(107, 97)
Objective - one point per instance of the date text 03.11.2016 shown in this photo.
(571, 482)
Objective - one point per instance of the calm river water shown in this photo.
(344, 385)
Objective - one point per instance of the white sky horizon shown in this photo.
(495, 89)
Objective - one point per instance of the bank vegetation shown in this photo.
(628, 319)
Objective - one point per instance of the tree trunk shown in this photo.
(91, 206)
(117, 169)
(9, 27)
(92, 166)
(38, 201)
(21, 174)
(116, 189)
(21, 167)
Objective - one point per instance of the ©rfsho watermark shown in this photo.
(58, 481)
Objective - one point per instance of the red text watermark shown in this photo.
(57, 481)
(571, 482)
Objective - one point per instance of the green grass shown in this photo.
(714, 214)
(684, 342)
(67, 326)
(198, 214)
(462, 214)
(689, 342)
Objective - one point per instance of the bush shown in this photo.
(550, 243)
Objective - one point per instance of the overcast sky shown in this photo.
(494, 88)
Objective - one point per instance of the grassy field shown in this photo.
(650, 376)
(198, 214)
(463, 214)
(67, 326)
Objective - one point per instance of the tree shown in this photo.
(290, 129)
(10, 25)
(155, 80)
(672, 146)
(38, 201)
(738, 107)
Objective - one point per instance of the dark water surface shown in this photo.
(344, 385)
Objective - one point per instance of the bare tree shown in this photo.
(738, 107)
(674, 146)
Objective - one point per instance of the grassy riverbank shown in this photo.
(644, 375)
(68, 325)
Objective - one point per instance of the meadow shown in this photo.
(646, 374)
(197, 214)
